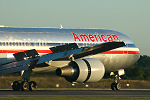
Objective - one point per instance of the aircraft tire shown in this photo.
(113, 86)
(117, 86)
(24, 86)
(16, 86)
(32, 86)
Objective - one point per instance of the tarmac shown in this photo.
(80, 93)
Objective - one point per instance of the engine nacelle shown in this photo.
(82, 70)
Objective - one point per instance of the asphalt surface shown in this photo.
(102, 93)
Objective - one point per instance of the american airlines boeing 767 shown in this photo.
(79, 55)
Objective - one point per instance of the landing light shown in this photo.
(25, 58)
(57, 85)
(127, 84)
(73, 84)
(86, 85)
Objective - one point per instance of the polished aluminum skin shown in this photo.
(43, 38)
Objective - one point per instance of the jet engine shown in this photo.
(82, 70)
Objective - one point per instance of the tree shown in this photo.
(144, 61)
(146, 74)
(141, 70)
(135, 73)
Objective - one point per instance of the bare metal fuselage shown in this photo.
(15, 40)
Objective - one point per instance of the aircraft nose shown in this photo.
(138, 53)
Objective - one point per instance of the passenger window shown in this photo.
(3, 43)
(6, 43)
(9, 44)
(24, 44)
(13, 43)
(19, 44)
(16, 43)
(43, 44)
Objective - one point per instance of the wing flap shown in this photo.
(53, 56)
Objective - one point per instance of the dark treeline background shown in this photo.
(139, 71)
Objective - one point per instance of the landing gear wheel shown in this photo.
(32, 86)
(16, 86)
(113, 86)
(24, 86)
(117, 86)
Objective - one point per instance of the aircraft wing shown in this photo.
(54, 56)
(30, 59)
(14, 67)
(81, 52)
(99, 48)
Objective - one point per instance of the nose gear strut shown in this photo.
(116, 85)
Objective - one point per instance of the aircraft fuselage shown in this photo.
(13, 40)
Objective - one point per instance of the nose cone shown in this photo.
(138, 51)
(139, 54)
(136, 56)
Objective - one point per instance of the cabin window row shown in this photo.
(22, 44)
(41, 44)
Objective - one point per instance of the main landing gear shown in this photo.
(24, 85)
(116, 85)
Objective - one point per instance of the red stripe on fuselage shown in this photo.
(133, 52)
(49, 51)
(121, 52)
(16, 51)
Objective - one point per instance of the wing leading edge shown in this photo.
(99, 48)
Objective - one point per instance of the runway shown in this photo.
(82, 93)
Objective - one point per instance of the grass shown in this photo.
(74, 98)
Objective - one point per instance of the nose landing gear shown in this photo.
(116, 85)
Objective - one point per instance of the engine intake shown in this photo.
(82, 70)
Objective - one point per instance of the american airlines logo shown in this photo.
(94, 38)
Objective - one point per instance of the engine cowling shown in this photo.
(82, 70)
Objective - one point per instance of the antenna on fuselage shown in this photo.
(61, 26)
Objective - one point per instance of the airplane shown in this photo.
(78, 55)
